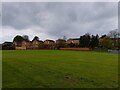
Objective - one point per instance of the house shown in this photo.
(20, 43)
(49, 44)
(60, 43)
(116, 42)
(73, 41)
(36, 43)
(23, 45)
(7, 46)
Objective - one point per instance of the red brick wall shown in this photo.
(83, 49)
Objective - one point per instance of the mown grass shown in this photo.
(59, 69)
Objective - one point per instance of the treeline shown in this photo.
(109, 41)
(88, 40)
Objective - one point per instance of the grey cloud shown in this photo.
(59, 19)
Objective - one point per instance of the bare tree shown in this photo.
(87, 34)
(114, 33)
(26, 37)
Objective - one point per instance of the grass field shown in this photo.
(59, 69)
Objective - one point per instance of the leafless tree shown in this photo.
(114, 33)
(26, 37)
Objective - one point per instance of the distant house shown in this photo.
(74, 41)
(60, 41)
(20, 43)
(7, 46)
(49, 44)
(36, 43)
(7, 43)
(116, 43)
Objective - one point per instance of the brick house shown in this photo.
(36, 43)
(7, 46)
(74, 41)
(116, 43)
(20, 43)
(49, 44)
(60, 41)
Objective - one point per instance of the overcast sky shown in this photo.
(50, 20)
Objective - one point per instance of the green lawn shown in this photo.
(59, 69)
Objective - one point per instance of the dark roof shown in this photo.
(103, 36)
(7, 43)
(115, 38)
(74, 39)
(61, 40)
(20, 39)
(37, 40)
(49, 40)
(41, 41)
